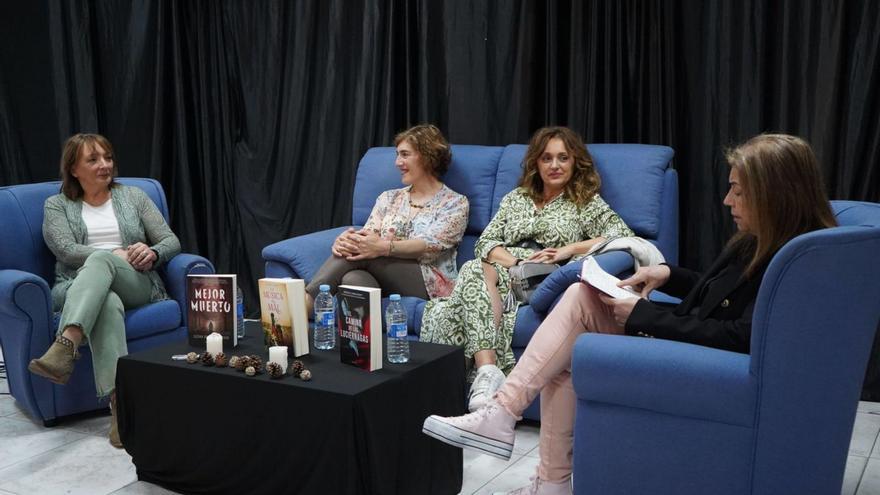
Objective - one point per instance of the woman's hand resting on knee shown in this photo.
(141, 257)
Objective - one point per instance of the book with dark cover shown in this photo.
(360, 326)
(211, 307)
(283, 314)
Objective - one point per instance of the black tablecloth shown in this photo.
(198, 429)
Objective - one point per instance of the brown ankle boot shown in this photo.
(114, 426)
(57, 363)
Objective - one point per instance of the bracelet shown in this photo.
(390, 247)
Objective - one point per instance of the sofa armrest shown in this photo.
(304, 253)
(25, 296)
(175, 272)
(665, 377)
(614, 262)
(26, 331)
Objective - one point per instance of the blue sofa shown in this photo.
(638, 181)
(663, 417)
(27, 323)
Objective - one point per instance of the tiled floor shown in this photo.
(75, 458)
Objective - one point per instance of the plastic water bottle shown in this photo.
(239, 303)
(395, 319)
(325, 320)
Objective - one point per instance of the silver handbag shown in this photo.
(524, 279)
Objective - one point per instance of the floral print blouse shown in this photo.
(440, 222)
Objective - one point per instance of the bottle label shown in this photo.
(397, 330)
(326, 318)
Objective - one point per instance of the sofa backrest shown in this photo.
(21, 220)
(638, 182)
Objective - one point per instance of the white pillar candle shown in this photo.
(215, 343)
(278, 354)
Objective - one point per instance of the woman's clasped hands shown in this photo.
(355, 245)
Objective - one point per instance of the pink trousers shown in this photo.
(545, 368)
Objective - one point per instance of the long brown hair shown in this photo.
(783, 193)
(431, 144)
(584, 182)
(74, 145)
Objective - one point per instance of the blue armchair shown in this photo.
(27, 323)
(638, 182)
(664, 417)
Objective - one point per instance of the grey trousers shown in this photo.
(392, 275)
(96, 301)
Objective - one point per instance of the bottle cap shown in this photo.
(324, 288)
(394, 297)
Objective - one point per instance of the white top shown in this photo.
(102, 227)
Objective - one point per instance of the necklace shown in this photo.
(413, 205)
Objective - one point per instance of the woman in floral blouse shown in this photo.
(408, 245)
(557, 212)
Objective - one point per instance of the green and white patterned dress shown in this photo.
(465, 318)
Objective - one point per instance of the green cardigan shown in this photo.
(139, 220)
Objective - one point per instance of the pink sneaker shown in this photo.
(541, 487)
(489, 430)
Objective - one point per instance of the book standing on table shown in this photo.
(283, 314)
(360, 326)
(211, 307)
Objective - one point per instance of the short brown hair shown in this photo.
(783, 192)
(584, 182)
(431, 144)
(74, 145)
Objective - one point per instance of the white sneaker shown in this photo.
(487, 431)
(488, 380)
(541, 487)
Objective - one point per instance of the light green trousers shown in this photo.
(96, 301)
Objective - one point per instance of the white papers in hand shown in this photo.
(594, 275)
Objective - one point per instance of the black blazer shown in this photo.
(724, 316)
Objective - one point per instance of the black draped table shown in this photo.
(198, 429)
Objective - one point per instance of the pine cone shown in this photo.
(192, 357)
(249, 371)
(234, 361)
(207, 359)
(274, 370)
(256, 362)
(243, 363)
(297, 367)
(220, 360)
(305, 375)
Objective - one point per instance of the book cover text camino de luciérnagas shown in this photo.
(360, 326)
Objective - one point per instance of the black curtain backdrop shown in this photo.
(254, 115)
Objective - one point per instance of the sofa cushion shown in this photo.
(146, 321)
(22, 208)
(509, 172)
(473, 173)
(624, 167)
(856, 213)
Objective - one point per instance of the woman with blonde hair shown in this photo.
(775, 194)
(555, 214)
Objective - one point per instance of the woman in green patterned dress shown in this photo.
(558, 213)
